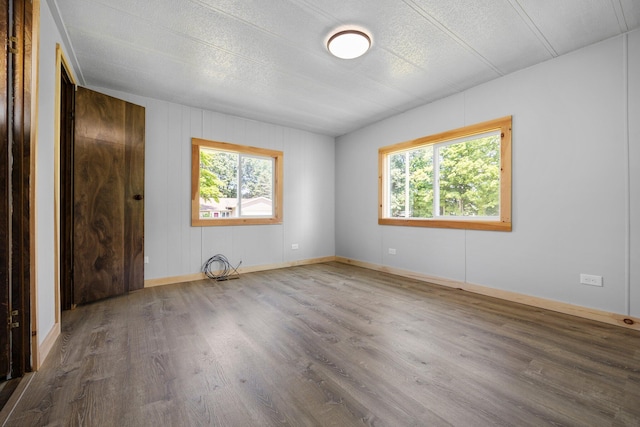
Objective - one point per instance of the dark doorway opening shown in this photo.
(67, 108)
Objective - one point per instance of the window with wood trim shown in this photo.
(455, 179)
(235, 184)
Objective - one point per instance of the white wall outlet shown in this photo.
(146, 260)
(591, 280)
(294, 246)
(392, 251)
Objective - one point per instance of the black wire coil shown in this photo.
(218, 268)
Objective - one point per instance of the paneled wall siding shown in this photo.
(175, 248)
(633, 115)
(576, 180)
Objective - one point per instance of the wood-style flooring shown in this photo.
(330, 345)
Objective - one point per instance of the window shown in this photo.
(235, 184)
(455, 179)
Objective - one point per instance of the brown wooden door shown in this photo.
(108, 197)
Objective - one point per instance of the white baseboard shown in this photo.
(200, 276)
(561, 307)
(47, 345)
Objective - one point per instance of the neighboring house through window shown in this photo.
(235, 184)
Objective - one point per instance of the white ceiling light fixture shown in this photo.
(349, 44)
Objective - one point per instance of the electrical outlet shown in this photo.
(294, 246)
(591, 280)
(392, 251)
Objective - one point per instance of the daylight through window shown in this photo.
(234, 184)
(457, 179)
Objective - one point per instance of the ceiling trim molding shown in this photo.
(66, 40)
(622, 21)
(533, 27)
(426, 15)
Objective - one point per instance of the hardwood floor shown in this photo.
(330, 345)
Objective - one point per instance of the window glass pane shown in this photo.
(421, 183)
(218, 184)
(256, 180)
(411, 183)
(397, 181)
(470, 178)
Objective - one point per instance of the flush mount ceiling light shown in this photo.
(349, 44)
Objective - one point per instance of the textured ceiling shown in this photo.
(266, 60)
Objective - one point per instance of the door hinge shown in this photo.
(10, 321)
(13, 45)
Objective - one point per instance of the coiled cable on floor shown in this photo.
(219, 268)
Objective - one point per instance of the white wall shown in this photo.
(571, 191)
(634, 163)
(49, 36)
(175, 248)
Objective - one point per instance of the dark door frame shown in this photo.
(5, 196)
(17, 163)
(22, 190)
